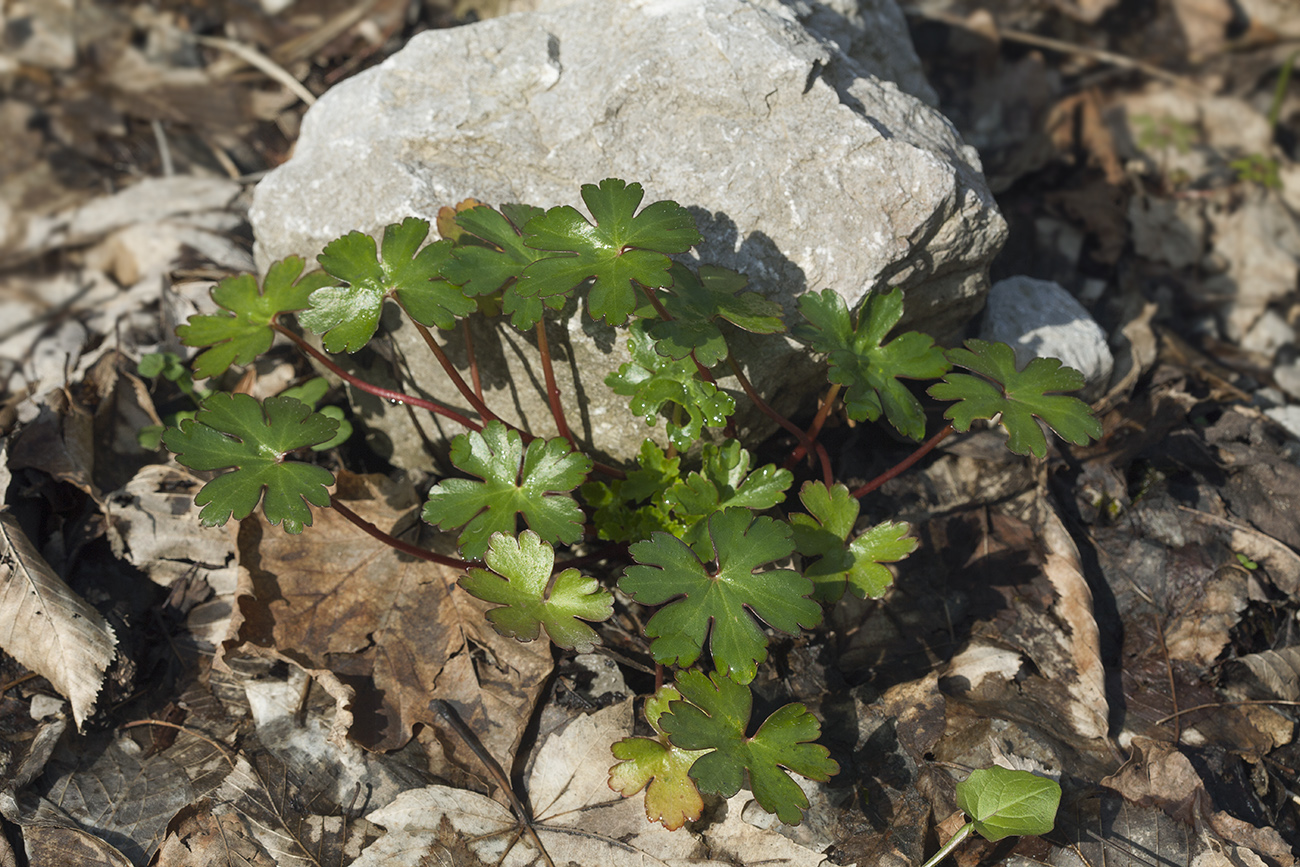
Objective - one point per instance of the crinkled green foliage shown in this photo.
(696, 302)
(245, 333)
(623, 248)
(1006, 803)
(311, 393)
(347, 315)
(535, 483)
(864, 364)
(662, 769)
(498, 259)
(723, 481)
(653, 380)
(1018, 396)
(824, 532)
(714, 714)
(234, 431)
(712, 600)
(520, 582)
(629, 510)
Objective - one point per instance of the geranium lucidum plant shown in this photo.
(718, 571)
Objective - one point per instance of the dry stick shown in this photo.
(552, 391)
(828, 476)
(394, 542)
(386, 394)
(473, 359)
(452, 719)
(915, 456)
(1218, 704)
(1173, 687)
(823, 412)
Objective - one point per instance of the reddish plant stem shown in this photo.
(903, 465)
(384, 393)
(393, 541)
(552, 390)
(473, 359)
(827, 476)
(454, 375)
(816, 428)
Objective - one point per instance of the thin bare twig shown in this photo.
(903, 465)
(260, 61)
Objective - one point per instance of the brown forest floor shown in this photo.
(1145, 158)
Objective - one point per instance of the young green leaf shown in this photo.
(311, 392)
(535, 483)
(520, 582)
(672, 797)
(623, 247)
(1018, 396)
(652, 380)
(723, 481)
(246, 333)
(718, 597)
(484, 268)
(631, 509)
(823, 532)
(714, 714)
(235, 431)
(1006, 803)
(869, 368)
(348, 315)
(695, 302)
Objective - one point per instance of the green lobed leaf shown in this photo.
(245, 332)
(1006, 803)
(631, 509)
(234, 431)
(1018, 396)
(870, 369)
(311, 393)
(623, 248)
(714, 714)
(671, 797)
(498, 261)
(857, 565)
(653, 380)
(520, 582)
(695, 302)
(535, 483)
(713, 603)
(723, 481)
(347, 315)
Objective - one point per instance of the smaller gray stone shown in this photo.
(1288, 417)
(1269, 334)
(1287, 377)
(1039, 318)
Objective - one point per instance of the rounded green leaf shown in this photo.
(1006, 803)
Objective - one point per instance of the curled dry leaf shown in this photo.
(48, 628)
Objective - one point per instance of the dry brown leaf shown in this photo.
(1272, 674)
(48, 628)
(336, 599)
(198, 838)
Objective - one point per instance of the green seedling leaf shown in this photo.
(695, 303)
(723, 481)
(246, 332)
(347, 315)
(621, 249)
(234, 431)
(824, 532)
(311, 393)
(520, 582)
(868, 368)
(713, 715)
(498, 259)
(1006, 803)
(631, 509)
(710, 601)
(1017, 396)
(653, 380)
(672, 797)
(536, 483)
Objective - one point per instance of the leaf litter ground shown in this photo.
(1123, 617)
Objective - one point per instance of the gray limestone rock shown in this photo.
(803, 171)
(1040, 318)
